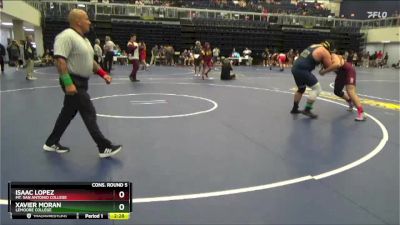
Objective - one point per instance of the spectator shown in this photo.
(365, 59)
(133, 52)
(154, 55)
(14, 54)
(117, 51)
(247, 55)
(384, 61)
(47, 59)
(143, 55)
(109, 48)
(182, 58)
(2, 55)
(123, 59)
(21, 58)
(216, 53)
(227, 69)
(296, 55)
(283, 7)
(161, 55)
(350, 57)
(379, 57)
(346, 56)
(190, 58)
(169, 55)
(197, 58)
(235, 54)
(237, 60)
(139, 3)
(290, 57)
(372, 59)
(355, 59)
(397, 65)
(98, 53)
(265, 56)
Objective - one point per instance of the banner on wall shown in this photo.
(355, 9)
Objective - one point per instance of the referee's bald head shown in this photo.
(74, 15)
(78, 19)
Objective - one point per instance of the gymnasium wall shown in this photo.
(383, 34)
(391, 48)
(384, 39)
(23, 11)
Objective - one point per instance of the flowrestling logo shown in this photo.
(376, 14)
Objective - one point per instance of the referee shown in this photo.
(74, 59)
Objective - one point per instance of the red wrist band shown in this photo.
(101, 72)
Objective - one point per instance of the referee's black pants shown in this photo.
(79, 102)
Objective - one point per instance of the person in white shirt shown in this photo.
(154, 55)
(30, 53)
(133, 56)
(109, 54)
(247, 55)
(98, 53)
(197, 58)
(74, 54)
(216, 52)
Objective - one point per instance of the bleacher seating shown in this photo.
(282, 7)
(151, 33)
(223, 33)
(226, 34)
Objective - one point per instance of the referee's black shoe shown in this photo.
(109, 151)
(56, 148)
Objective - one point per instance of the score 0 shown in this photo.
(122, 197)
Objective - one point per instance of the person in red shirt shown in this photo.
(207, 59)
(281, 60)
(379, 57)
(143, 55)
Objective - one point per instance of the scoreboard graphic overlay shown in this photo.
(70, 200)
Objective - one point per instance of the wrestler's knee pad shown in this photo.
(315, 91)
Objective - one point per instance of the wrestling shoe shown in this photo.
(360, 117)
(309, 114)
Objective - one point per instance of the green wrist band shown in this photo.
(66, 79)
